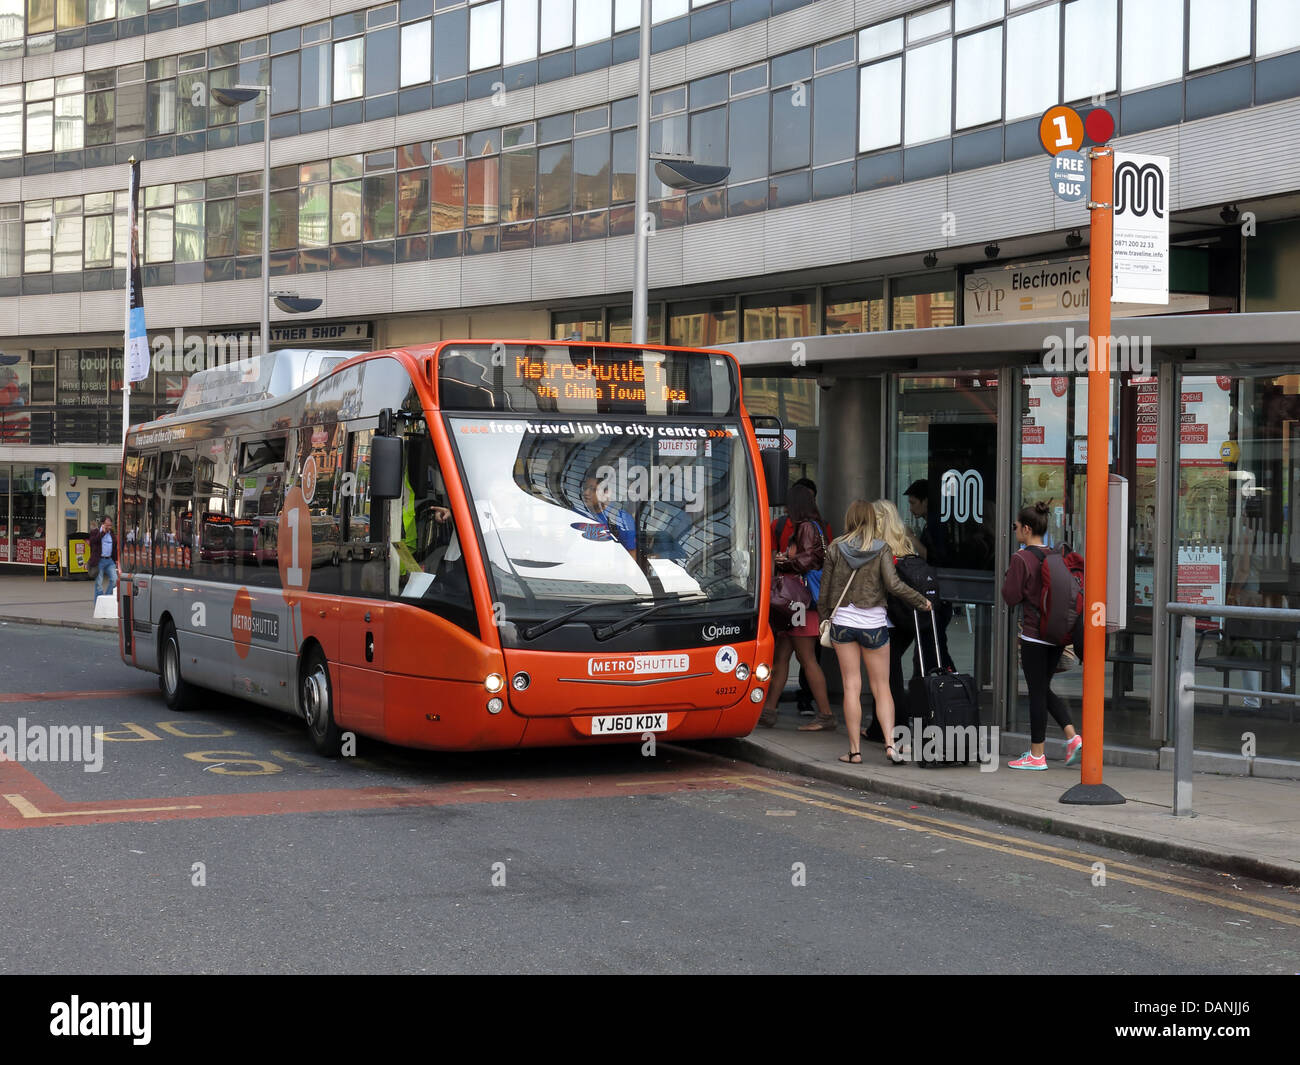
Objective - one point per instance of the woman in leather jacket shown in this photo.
(805, 553)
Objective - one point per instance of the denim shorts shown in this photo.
(871, 639)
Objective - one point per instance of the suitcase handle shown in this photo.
(934, 628)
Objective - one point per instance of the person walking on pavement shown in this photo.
(782, 531)
(806, 552)
(103, 558)
(858, 577)
(1023, 587)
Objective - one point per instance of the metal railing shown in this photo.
(48, 426)
(1187, 687)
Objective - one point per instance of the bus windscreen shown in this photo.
(586, 379)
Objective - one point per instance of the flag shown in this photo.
(137, 343)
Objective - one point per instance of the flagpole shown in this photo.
(126, 333)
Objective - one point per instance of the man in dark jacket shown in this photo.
(103, 558)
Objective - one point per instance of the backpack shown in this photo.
(1060, 606)
(920, 576)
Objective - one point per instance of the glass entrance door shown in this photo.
(945, 477)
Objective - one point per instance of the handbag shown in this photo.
(789, 590)
(824, 635)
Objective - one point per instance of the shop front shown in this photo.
(975, 421)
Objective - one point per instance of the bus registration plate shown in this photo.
(613, 724)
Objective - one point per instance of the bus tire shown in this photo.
(178, 694)
(316, 697)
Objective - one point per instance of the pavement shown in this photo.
(1245, 825)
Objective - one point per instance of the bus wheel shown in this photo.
(177, 693)
(318, 704)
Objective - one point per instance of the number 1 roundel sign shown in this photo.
(293, 548)
(1061, 130)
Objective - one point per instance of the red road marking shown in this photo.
(49, 697)
(25, 802)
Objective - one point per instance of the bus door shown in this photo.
(363, 573)
(136, 530)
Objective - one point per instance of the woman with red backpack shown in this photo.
(806, 552)
(1023, 587)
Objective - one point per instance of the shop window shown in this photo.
(703, 323)
(923, 302)
(778, 316)
(855, 308)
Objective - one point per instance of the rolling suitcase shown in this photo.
(947, 700)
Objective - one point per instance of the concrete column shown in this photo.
(850, 464)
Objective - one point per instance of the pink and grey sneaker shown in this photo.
(1028, 761)
(1074, 750)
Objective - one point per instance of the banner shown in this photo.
(137, 343)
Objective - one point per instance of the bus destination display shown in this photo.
(628, 380)
(585, 379)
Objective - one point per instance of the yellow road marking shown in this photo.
(841, 806)
(29, 811)
(1081, 856)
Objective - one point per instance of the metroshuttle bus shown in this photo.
(462, 546)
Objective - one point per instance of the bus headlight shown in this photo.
(494, 682)
(494, 706)
(756, 696)
(762, 672)
(742, 672)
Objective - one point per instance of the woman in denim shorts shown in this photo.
(858, 577)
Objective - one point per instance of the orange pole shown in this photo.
(1094, 592)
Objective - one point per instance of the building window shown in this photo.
(855, 308)
(923, 302)
(778, 316)
(703, 323)
(1152, 50)
(979, 94)
(1090, 27)
(1033, 62)
(880, 105)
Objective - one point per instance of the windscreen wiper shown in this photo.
(554, 623)
(636, 619)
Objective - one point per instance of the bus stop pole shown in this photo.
(1091, 791)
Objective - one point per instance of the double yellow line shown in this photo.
(1283, 910)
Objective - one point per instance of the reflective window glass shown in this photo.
(349, 68)
(315, 84)
(880, 103)
(791, 127)
(482, 180)
(591, 172)
(555, 179)
(1033, 62)
(520, 39)
(485, 35)
(592, 21)
(747, 150)
(518, 185)
(1090, 27)
(1151, 49)
(381, 61)
(413, 202)
(979, 96)
(972, 13)
(556, 25)
(1277, 26)
(884, 39)
(417, 59)
(834, 116)
(1217, 31)
(345, 211)
(447, 198)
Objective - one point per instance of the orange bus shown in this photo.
(462, 546)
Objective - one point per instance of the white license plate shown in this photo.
(616, 724)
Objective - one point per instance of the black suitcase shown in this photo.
(948, 700)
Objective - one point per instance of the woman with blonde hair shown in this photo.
(857, 580)
(903, 543)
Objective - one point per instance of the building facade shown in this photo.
(886, 254)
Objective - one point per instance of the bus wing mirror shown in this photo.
(776, 471)
(386, 467)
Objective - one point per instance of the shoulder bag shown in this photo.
(824, 637)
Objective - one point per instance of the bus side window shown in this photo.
(362, 565)
(214, 557)
(173, 536)
(430, 538)
(255, 509)
(137, 499)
